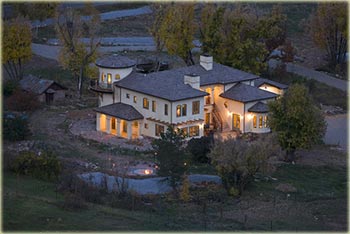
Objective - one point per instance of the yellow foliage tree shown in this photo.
(16, 49)
(76, 55)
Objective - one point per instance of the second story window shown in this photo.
(117, 76)
(154, 106)
(109, 78)
(181, 110)
(184, 110)
(135, 99)
(102, 77)
(165, 109)
(128, 96)
(145, 103)
(195, 107)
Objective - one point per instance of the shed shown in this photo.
(47, 91)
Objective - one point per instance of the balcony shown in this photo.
(100, 87)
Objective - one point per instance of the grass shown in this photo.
(321, 93)
(321, 192)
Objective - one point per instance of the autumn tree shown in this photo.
(171, 155)
(329, 29)
(240, 38)
(237, 161)
(175, 29)
(16, 48)
(76, 55)
(296, 120)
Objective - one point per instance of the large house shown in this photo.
(207, 95)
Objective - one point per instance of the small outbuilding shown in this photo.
(47, 91)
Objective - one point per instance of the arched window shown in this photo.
(102, 77)
(109, 78)
(117, 76)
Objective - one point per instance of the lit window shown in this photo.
(178, 110)
(154, 106)
(109, 78)
(135, 99)
(260, 121)
(236, 121)
(194, 131)
(184, 131)
(165, 109)
(103, 77)
(159, 129)
(117, 76)
(195, 107)
(128, 96)
(184, 110)
(145, 103)
(254, 121)
(265, 121)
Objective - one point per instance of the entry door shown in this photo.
(236, 120)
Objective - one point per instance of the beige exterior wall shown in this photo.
(105, 99)
(271, 89)
(121, 72)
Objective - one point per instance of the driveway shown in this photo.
(312, 74)
(337, 130)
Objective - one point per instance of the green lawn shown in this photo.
(321, 193)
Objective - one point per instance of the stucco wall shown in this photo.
(122, 73)
(189, 115)
(107, 99)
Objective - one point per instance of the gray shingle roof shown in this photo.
(246, 93)
(36, 85)
(120, 110)
(259, 107)
(166, 85)
(115, 61)
(170, 85)
(262, 81)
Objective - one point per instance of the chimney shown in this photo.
(206, 61)
(193, 80)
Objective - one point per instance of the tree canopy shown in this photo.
(76, 55)
(16, 49)
(329, 29)
(174, 29)
(171, 155)
(296, 120)
(240, 38)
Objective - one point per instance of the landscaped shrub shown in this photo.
(45, 166)
(16, 128)
(22, 101)
(199, 148)
(9, 88)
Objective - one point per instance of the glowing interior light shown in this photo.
(148, 172)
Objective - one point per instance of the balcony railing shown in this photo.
(100, 86)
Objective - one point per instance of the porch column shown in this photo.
(108, 124)
(118, 127)
(139, 126)
(129, 129)
(212, 96)
(98, 122)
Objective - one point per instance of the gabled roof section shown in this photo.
(246, 93)
(166, 85)
(259, 82)
(120, 110)
(36, 85)
(220, 74)
(259, 107)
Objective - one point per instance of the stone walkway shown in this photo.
(86, 128)
(312, 74)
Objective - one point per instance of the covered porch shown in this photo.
(120, 120)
